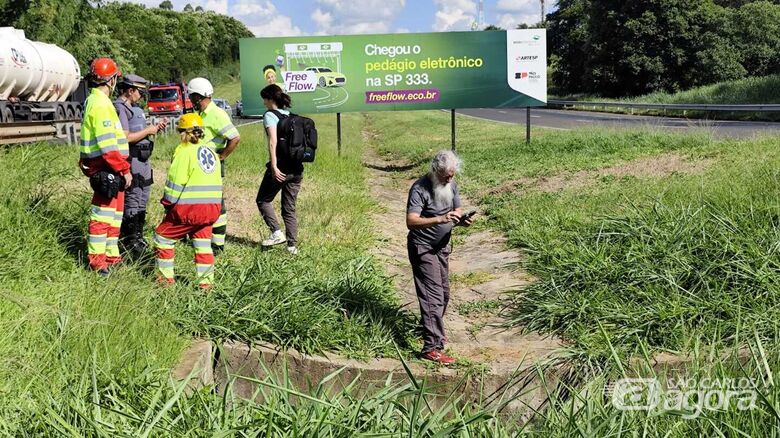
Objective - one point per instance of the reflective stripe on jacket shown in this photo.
(194, 185)
(103, 141)
(218, 127)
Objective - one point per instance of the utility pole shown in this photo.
(542, 2)
(481, 16)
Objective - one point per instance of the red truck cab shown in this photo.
(169, 99)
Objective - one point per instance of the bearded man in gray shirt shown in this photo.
(432, 209)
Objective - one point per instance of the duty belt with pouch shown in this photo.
(140, 181)
(142, 151)
(107, 183)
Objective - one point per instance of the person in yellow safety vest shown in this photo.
(192, 198)
(104, 159)
(221, 136)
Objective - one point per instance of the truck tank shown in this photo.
(34, 71)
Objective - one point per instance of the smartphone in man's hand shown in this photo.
(467, 216)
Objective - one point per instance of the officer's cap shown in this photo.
(135, 81)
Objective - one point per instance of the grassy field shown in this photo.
(60, 324)
(742, 91)
(675, 252)
(624, 255)
(754, 90)
(230, 91)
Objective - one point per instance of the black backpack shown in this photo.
(296, 138)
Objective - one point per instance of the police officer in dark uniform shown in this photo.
(131, 116)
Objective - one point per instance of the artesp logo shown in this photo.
(206, 159)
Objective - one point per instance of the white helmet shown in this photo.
(200, 86)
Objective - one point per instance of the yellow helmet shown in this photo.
(189, 121)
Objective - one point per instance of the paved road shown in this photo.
(570, 120)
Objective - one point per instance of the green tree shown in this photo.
(756, 34)
(11, 11)
(157, 43)
(618, 48)
(569, 43)
(187, 8)
(199, 9)
(167, 5)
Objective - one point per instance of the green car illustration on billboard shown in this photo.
(327, 77)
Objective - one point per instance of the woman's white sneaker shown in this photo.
(276, 238)
(292, 250)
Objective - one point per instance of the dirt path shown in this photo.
(482, 269)
(646, 167)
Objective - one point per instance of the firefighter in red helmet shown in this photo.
(104, 159)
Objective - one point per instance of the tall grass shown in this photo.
(753, 90)
(333, 295)
(58, 319)
(663, 260)
(666, 261)
(149, 405)
(55, 319)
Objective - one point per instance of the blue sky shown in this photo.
(343, 17)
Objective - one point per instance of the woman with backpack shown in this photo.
(281, 173)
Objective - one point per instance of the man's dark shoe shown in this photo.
(438, 356)
(217, 249)
(104, 273)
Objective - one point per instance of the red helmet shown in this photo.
(103, 69)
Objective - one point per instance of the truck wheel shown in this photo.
(59, 114)
(71, 113)
(323, 83)
(6, 115)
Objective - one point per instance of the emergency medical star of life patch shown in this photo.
(206, 159)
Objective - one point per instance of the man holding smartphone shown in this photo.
(432, 209)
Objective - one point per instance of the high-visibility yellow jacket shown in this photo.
(193, 190)
(218, 127)
(103, 141)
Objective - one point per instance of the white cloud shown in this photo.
(263, 19)
(517, 5)
(260, 16)
(454, 15)
(355, 16)
(514, 12)
(510, 21)
(218, 6)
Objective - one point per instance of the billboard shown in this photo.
(394, 72)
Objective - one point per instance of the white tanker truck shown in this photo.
(38, 81)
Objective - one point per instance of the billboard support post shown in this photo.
(452, 112)
(528, 125)
(338, 131)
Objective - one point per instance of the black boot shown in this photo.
(133, 242)
(127, 233)
(140, 221)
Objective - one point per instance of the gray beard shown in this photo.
(442, 193)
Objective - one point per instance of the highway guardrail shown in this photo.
(763, 107)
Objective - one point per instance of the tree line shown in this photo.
(625, 48)
(158, 44)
